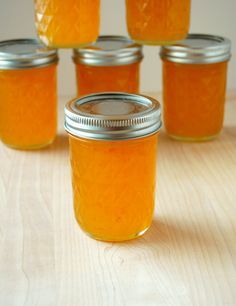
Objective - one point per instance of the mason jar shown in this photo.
(28, 94)
(194, 85)
(113, 152)
(110, 64)
(158, 22)
(67, 24)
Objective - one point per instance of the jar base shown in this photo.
(62, 46)
(159, 42)
(29, 148)
(193, 139)
(120, 239)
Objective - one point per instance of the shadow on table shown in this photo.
(60, 145)
(187, 152)
(228, 133)
(179, 239)
(231, 132)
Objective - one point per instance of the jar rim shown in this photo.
(198, 49)
(25, 54)
(109, 50)
(112, 116)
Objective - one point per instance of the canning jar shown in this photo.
(158, 22)
(194, 84)
(28, 108)
(113, 151)
(67, 24)
(111, 64)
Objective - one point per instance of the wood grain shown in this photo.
(188, 257)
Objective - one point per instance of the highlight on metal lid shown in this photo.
(112, 116)
(109, 51)
(24, 54)
(198, 49)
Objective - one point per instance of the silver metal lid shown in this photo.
(109, 51)
(24, 54)
(198, 49)
(112, 116)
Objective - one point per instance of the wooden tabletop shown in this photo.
(188, 257)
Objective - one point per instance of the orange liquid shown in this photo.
(194, 97)
(67, 23)
(158, 21)
(114, 186)
(28, 114)
(93, 79)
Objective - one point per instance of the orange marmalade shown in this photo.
(110, 147)
(111, 64)
(194, 84)
(156, 22)
(28, 108)
(67, 24)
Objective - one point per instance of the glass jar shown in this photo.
(28, 108)
(158, 22)
(194, 84)
(111, 64)
(67, 24)
(113, 140)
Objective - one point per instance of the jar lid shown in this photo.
(112, 116)
(109, 51)
(198, 49)
(24, 54)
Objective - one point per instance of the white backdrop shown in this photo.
(208, 16)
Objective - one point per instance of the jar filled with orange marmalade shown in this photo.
(67, 24)
(158, 22)
(111, 64)
(194, 84)
(28, 108)
(113, 143)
